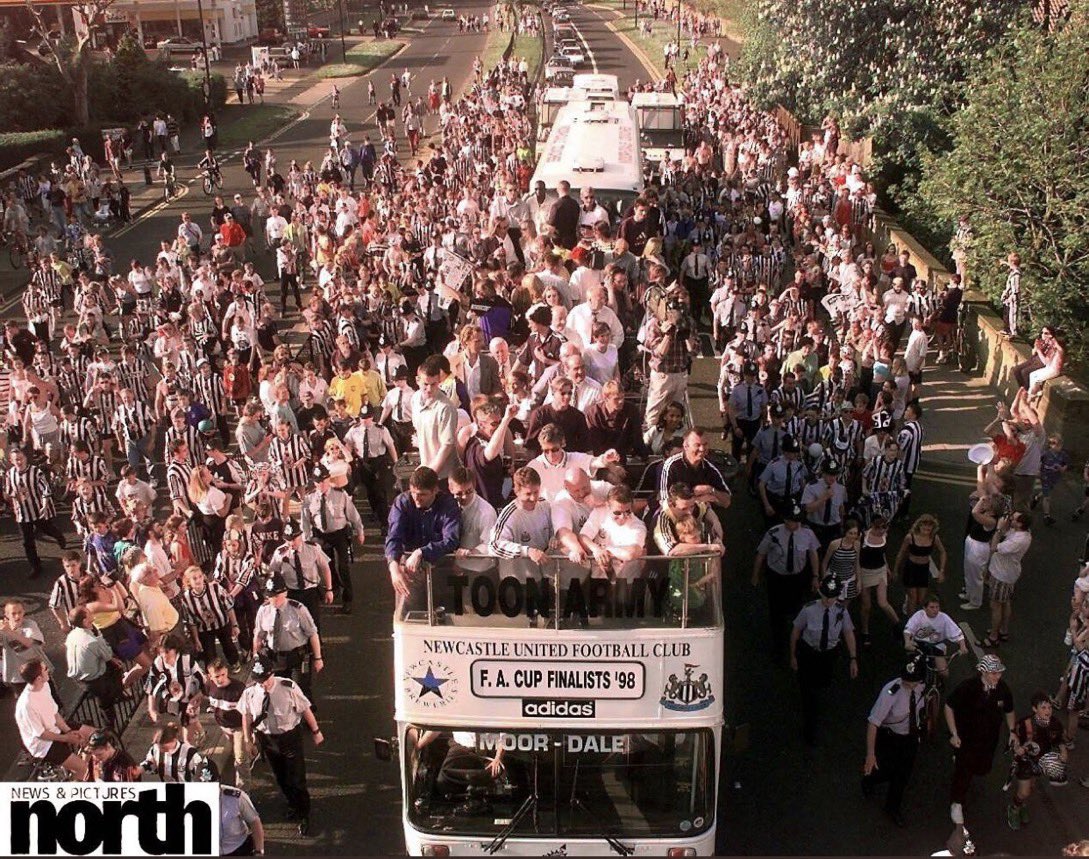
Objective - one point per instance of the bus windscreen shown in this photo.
(521, 783)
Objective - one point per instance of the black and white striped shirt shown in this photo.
(65, 594)
(81, 429)
(177, 481)
(211, 393)
(92, 468)
(911, 446)
(186, 671)
(207, 610)
(182, 764)
(191, 436)
(103, 405)
(30, 494)
(788, 398)
(82, 507)
(285, 453)
(232, 570)
(135, 376)
(132, 423)
(880, 475)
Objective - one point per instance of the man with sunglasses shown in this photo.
(614, 536)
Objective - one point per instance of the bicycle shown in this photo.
(211, 181)
(934, 684)
(18, 248)
(170, 185)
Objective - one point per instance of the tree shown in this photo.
(892, 69)
(71, 55)
(1019, 168)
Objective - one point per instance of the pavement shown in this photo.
(813, 797)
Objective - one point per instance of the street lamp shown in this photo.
(204, 48)
(678, 31)
(343, 49)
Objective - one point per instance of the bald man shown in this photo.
(572, 507)
(582, 317)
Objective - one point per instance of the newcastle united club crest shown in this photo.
(687, 695)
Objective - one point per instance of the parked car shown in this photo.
(559, 66)
(315, 32)
(271, 37)
(178, 45)
(447, 15)
(573, 51)
(418, 15)
(560, 15)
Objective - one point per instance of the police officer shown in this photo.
(893, 734)
(767, 444)
(375, 452)
(274, 709)
(782, 482)
(285, 629)
(788, 550)
(305, 569)
(241, 832)
(329, 518)
(814, 643)
(745, 408)
(825, 503)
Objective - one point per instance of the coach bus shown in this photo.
(544, 712)
(595, 143)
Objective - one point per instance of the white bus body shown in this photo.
(659, 111)
(605, 713)
(598, 86)
(594, 143)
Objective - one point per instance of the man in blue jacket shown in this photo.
(424, 526)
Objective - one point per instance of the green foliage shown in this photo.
(363, 57)
(270, 15)
(17, 146)
(1019, 168)
(32, 96)
(891, 69)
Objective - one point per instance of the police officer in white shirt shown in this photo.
(814, 644)
(273, 711)
(825, 503)
(892, 736)
(788, 550)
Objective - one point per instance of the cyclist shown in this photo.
(16, 220)
(209, 166)
(166, 172)
(336, 97)
(929, 629)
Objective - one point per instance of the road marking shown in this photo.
(639, 54)
(183, 190)
(585, 46)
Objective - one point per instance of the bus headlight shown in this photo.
(435, 850)
(681, 851)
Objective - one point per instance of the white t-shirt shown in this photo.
(935, 630)
(552, 475)
(212, 502)
(1005, 564)
(36, 712)
(600, 366)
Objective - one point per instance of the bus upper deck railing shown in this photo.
(483, 591)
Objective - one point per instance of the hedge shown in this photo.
(17, 146)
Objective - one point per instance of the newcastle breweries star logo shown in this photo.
(431, 684)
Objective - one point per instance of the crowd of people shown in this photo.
(533, 350)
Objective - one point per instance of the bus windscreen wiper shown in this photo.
(506, 832)
(612, 841)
